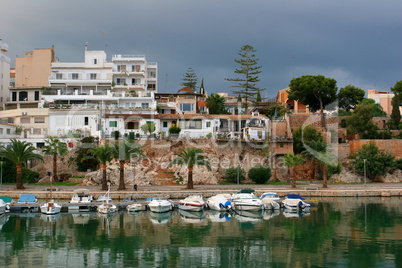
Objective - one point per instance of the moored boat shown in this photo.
(135, 207)
(81, 196)
(219, 202)
(160, 205)
(50, 208)
(295, 204)
(246, 200)
(3, 207)
(192, 203)
(27, 199)
(270, 200)
(107, 208)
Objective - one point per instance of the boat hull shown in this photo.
(50, 208)
(219, 203)
(107, 209)
(160, 205)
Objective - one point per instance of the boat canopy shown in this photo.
(294, 196)
(246, 191)
(27, 198)
(6, 199)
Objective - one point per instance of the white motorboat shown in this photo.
(270, 200)
(135, 207)
(160, 205)
(219, 202)
(247, 201)
(81, 196)
(50, 208)
(295, 204)
(8, 201)
(3, 207)
(192, 203)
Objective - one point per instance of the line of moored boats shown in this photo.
(244, 200)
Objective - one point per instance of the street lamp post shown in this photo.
(364, 160)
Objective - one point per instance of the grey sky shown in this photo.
(353, 41)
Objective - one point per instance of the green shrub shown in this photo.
(398, 163)
(260, 174)
(10, 174)
(232, 173)
(174, 129)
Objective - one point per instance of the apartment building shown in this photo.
(4, 73)
(384, 98)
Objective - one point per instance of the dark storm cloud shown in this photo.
(355, 42)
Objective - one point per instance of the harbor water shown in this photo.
(337, 232)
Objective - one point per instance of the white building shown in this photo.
(4, 73)
(133, 74)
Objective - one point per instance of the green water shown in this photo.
(343, 232)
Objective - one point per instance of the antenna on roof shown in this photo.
(86, 46)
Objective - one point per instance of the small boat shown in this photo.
(8, 200)
(81, 196)
(50, 208)
(295, 204)
(27, 199)
(3, 207)
(247, 201)
(219, 202)
(160, 205)
(192, 203)
(107, 207)
(270, 200)
(135, 207)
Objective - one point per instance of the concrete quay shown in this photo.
(177, 192)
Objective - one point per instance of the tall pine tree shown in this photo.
(246, 84)
(190, 79)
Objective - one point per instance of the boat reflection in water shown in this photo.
(160, 218)
(218, 216)
(80, 218)
(192, 216)
(50, 217)
(269, 214)
(249, 216)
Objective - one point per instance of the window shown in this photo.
(59, 76)
(93, 76)
(40, 144)
(36, 95)
(120, 81)
(74, 76)
(25, 120)
(187, 107)
(145, 105)
(112, 123)
(165, 124)
(191, 124)
(135, 68)
(134, 81)
(86, 121)
(281, 145)
(95, 61)
(132, 125)
(14, 96)
(1, 131)
(8, 131)
(39, 120)
(208, 124)
(151, 86)
(23, 96)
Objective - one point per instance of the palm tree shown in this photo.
(55, 147)
(124, 151)
(313, 150)
(291, 160)
(103, 154)
(19, 153)
(191, 157)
